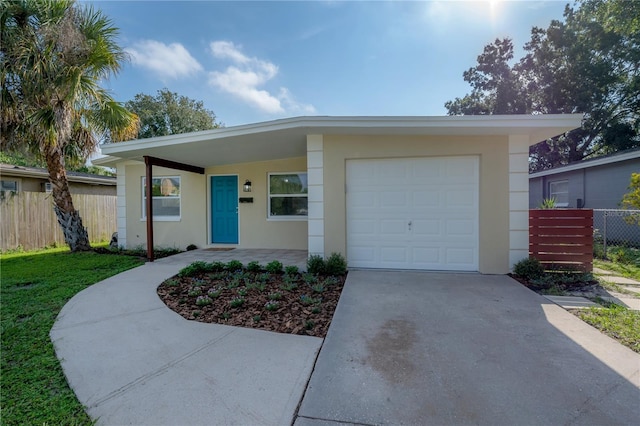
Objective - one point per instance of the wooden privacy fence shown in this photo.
(27, 219)
(562, 238)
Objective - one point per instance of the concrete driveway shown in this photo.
(450, 349)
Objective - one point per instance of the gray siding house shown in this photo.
(599, 183)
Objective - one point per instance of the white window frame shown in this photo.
(553, 193)
(16, 180)
(270, 195)
(161, 218)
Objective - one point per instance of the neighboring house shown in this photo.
(598, 183)
(431, 193)
(33, 179)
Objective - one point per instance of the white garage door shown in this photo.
(413, 213)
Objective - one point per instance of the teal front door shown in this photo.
(224, 209)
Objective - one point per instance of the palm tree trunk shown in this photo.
(75, 235)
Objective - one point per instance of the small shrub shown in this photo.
(315, 310)
(254, 266)
(336, 264)
(192, 247)
(196, 314)
(315, 264)
(309, 324)
(214, 292)
(234, 265)
(242, 292)
(291, 270)
(257, 318)
(172, 282)
(548, 203)
(203, 301)
(274, 267)
(275, 296)
(329, 281)
(236, 302)
(309, 278)
(234, 283)
(271, 305)
(218, 266)
(263, 278)
(225, 315)
(529, 268)
(318, 288)
(308, 300)
(288, 286)
(195, 291)
(195, 268)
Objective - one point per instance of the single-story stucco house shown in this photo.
(597, 183)
(432, 193)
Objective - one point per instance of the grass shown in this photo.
(34, 286)
(625, 269)
(617, 322)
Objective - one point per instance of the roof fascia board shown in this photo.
(321, 124)
(587, 164)
(44, 175)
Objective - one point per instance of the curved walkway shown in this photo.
(131, 360)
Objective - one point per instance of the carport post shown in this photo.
(149, 162)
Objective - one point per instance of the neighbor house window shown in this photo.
(9, 185)
(287, 195)
(559, 190)
(166, 197)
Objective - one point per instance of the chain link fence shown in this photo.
(616, 235)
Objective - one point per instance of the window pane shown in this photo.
(294, 183)
(9, 185)
(288, 206)
(560, 191)
(164, 206)
(165, 187)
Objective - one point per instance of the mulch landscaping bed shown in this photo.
(586, 288)
(296, 304)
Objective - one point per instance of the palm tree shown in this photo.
(54, 54)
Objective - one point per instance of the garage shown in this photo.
(413, 213)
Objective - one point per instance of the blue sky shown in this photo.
(258, 61)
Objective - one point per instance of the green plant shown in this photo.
(315, 310)
(218, 266)
(291, 270)
(172, 282)
(234, 265)
(318, 288)
(548, 203)
(242, 292)
(203, 301)
(195, 291)
(214, 292)
(225, 315)
(254, 266)
(234, 283)
(274, 267)
(529, 268)
(257, 318)
(315, 264)
(308, 300)
(191, 247)
(331, 280)
(263, 278)
(335, 264)
(271, 305)
(236, 302)
(196, 314)
(195, 268)
(617, 322)
(309, 278)
(309, 324)
(275, 296)
(288, 286)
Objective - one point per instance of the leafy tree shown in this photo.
(54, 55)
(586, 63)
(169, 114)
(631, 200)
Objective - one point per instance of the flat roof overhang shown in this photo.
(287, 138)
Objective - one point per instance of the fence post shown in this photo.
(604, 235)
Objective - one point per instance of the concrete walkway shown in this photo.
(131, 360)
(403, 348)
(632, 300)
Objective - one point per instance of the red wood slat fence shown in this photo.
(562, 238)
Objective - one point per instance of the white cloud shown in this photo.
(245, 77)
(168, 61)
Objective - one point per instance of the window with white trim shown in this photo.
(165, 191)
(288, 195)
(559, 191)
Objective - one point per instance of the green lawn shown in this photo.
(34, 286)
(624, 269)
(617, 322)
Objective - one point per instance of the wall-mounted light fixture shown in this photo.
(247, 186)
